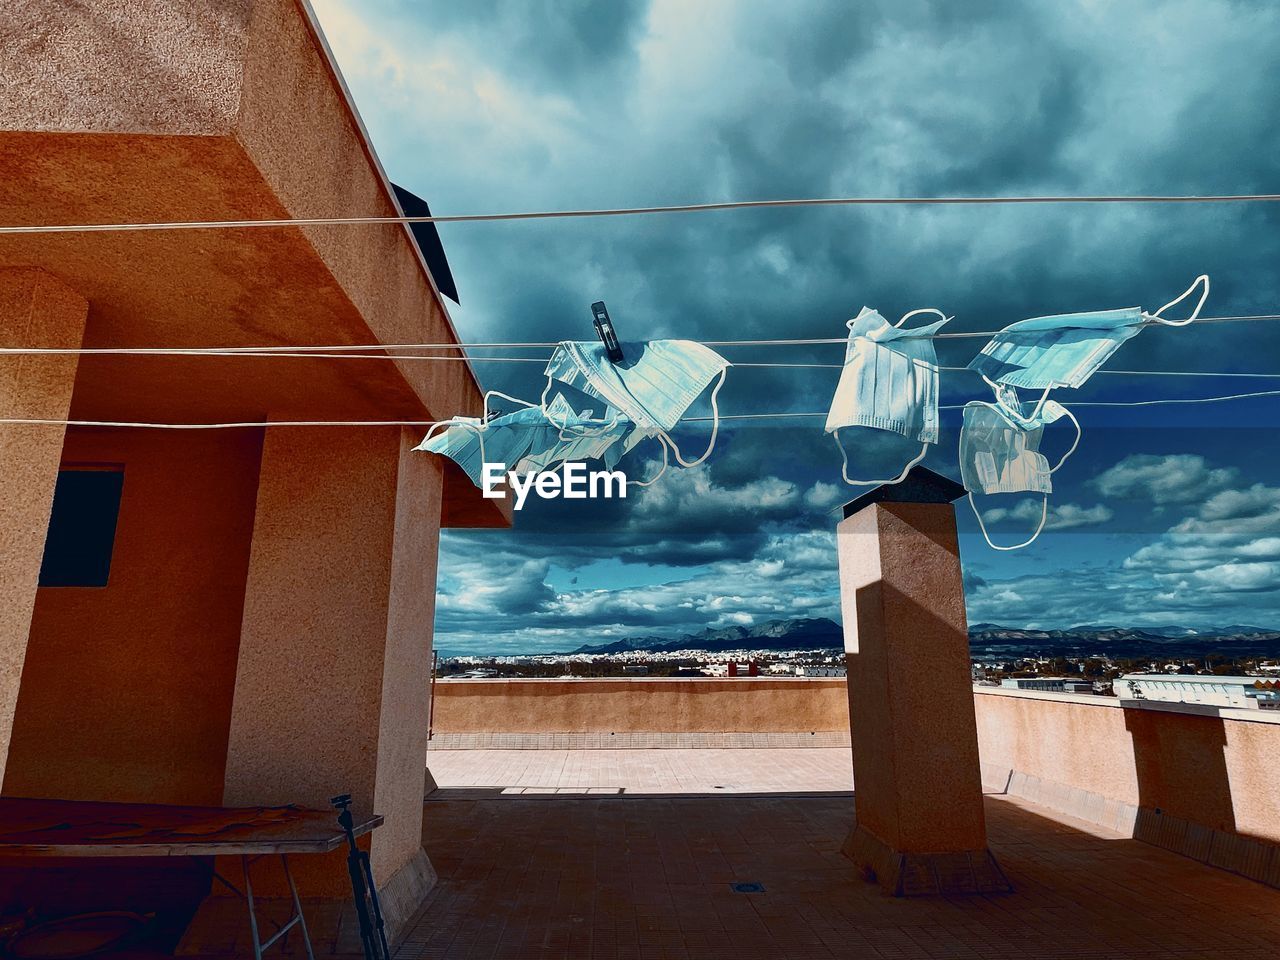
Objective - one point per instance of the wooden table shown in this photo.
(80, 828)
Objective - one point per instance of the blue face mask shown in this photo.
(470, 442)
(1066, 350)
(889, 383)
(653, 386)
(572, 436)
(1000, 451)
(524, 440)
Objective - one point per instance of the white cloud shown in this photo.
(1257, 501)
(448, 92)
(1175, 478)
(1066, 516)
(792, 575)
(1233, 577)
(689, 498)
(824, 496)
(1217, 567)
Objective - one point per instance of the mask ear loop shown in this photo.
(906, 316)
(654, 479)
(1044, 506)
(505, 396)
(577, 433)
(1202, 279)
(715, 428)
(1035, 412)
(1079, 434)
(844, 469)
(1002, 408)
(1044, 514)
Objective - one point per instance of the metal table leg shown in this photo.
(258, 944)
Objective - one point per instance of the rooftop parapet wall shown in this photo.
(1214, 767)
(607, 706)
(1198, 765)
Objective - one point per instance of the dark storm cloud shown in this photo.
(787, 577)
(515, 106)
(557, 43)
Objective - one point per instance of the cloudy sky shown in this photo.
(1165, 515)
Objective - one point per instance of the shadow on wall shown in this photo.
(1181, 766)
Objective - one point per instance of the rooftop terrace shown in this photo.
(633, 853)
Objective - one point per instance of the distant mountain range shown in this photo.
(819, 633)
(1131, 642)
(798, 634)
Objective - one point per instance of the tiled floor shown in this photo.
(623, 876)
(539, 772)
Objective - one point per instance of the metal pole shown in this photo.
(431, 706)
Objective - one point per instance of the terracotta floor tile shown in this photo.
(646, 872)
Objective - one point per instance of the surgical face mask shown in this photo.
(889, 383)
(525, 439)
(471, 442)
(573, 436)
(1000, 451)
(1066, 350)
(653, 386)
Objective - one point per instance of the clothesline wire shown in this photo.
(323, 351)
(18, 351)
(20, 421)
(632, 211)
(1159, 401)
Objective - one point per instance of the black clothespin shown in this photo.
(604, 327)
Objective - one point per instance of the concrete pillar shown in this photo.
(917, 784)
(334, 662)
(36, 310)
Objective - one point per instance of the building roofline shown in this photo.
(313, 24)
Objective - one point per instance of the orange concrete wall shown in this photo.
(1063, 741)
(126, 689)
(1219, 771)
(1213, 770)
(657, 706)
(335, 648)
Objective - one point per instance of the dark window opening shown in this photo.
(82, 528)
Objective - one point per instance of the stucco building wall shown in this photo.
(126, 691)
(266, 633)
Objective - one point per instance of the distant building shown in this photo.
(1249, 693)
(819, 670)
(1048, 684)
(732, 669)
(635, 670)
